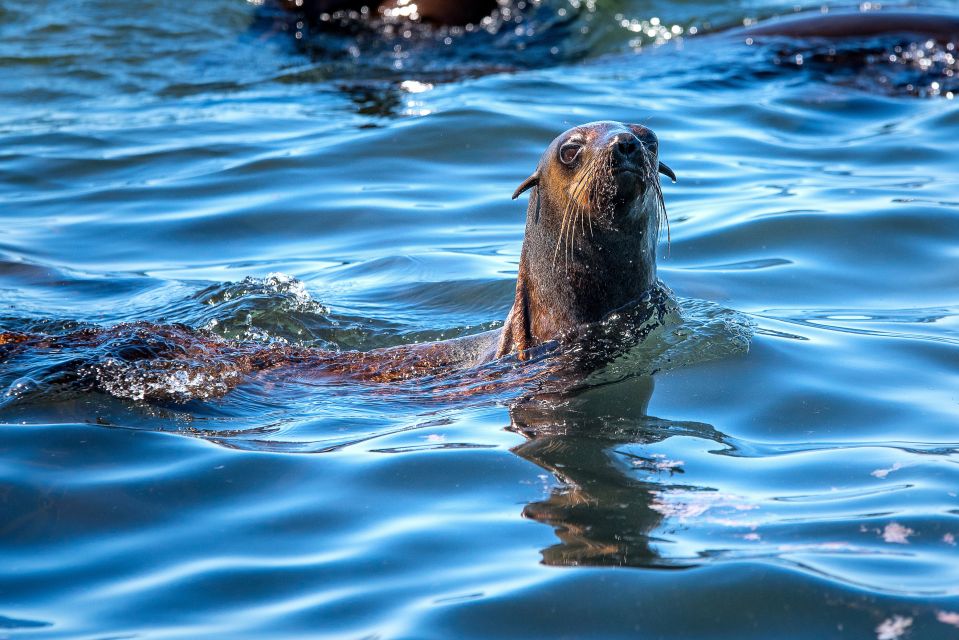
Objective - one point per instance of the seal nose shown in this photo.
(625, 145)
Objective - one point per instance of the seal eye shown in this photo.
(569, 152)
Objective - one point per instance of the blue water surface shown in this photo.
(789, 470)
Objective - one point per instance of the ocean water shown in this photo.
(779, 461)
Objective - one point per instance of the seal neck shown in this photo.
(598, 271)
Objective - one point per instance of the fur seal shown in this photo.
(592, 225)
(589, 249)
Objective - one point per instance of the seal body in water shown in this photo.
(589, 249)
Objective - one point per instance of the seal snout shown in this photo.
(624, 145)
(626, 150)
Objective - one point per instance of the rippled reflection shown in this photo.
(639, 491)
(601, 515)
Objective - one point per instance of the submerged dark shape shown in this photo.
(371, 47)
(590, 250)
(894, 52)
(440, 12)
(859, 24)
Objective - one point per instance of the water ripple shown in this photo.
(198, 165)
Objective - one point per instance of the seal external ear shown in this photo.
(666, 171)
(528, 183)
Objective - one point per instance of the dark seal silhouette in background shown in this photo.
(891, 51)
(436, 12)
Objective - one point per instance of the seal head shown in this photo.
(592, 226)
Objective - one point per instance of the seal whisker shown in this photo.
(568, 235)
(593, 172)
(662, 209)
(562, 230)
(577, 206)
(604, 188)
(580, 209)
(663, 216)
(561, 237)
(582, 222)
(598, 176)
(590, 218)
(606, 169)
(580, 188)
(568, 210)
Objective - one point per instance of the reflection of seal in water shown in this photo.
(591, 232)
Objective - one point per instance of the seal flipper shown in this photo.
(516, 335)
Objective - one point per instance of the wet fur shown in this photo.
(579, 259)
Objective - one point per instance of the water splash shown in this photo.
(275, 308)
